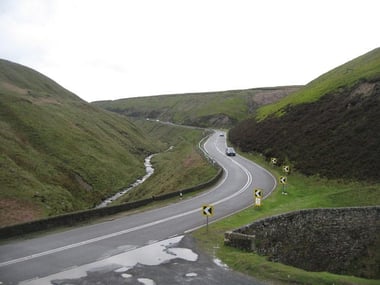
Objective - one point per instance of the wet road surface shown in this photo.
(174, 261)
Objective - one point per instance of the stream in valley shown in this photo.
(149, 171)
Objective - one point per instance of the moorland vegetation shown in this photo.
(335, 134)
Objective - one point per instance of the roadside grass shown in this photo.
(303, 192)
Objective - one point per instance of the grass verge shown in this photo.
(303, 192)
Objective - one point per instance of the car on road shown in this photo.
(230, 151)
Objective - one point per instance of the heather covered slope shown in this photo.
(337, 134)
(57, 152)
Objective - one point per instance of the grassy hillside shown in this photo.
(212, 109)
(337, 135)
(57, 152)
(363, 68)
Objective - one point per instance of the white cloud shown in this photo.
(113, 49)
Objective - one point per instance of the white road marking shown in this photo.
(103, 237)
(93, 240)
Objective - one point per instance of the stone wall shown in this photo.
(75, 218)
(338, 240)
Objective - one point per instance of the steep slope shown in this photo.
(336, 135)
(211, 109)
(362, 68)
(57, 152)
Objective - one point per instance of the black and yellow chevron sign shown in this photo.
(207, 210)
(286, 168)
(283, 179)
(258, 193)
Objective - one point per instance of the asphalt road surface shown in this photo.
(98, 249)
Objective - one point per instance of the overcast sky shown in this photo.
(111, 49)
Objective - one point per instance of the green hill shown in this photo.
(330, 128)
(57, 152)
(211, 109)
(363, 68)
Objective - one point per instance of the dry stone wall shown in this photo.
(338, 240)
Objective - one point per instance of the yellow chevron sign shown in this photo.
(258, 193)
(283, 179)
(207, 210)
(286, 168)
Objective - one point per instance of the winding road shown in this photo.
(34, 258)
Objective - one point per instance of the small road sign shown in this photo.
(258, 193)
(207, 210)
(283, 179)
(273, 160)
(286, 168)
(257, 197)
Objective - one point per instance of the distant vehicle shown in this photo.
(221, 135)
(230, 151)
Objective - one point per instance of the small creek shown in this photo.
(149, 171)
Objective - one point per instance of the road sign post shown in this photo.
(258, 194)
(257, 202)
(208, 211)
(283, 181)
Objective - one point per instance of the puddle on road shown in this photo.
(153, 254)
(146, 281)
